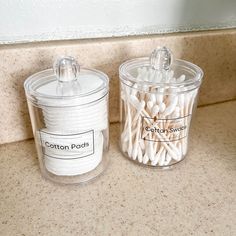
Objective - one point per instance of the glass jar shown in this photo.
(68, 108)
(158, 96)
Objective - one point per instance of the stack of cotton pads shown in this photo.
(72, 139)
(63, 163)
(157, 111)
(77, 118)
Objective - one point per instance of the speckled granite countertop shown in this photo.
(197, 197)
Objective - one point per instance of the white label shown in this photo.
(165, 130)
(71, 146)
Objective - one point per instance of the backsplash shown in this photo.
(213, 51)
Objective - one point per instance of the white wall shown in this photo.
(39, 20)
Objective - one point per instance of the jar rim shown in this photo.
(46, 76)
(195, 70)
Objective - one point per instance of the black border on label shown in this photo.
(160, 141)
(65, 135)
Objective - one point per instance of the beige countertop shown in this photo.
(197, 197)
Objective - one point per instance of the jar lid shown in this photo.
(66, 85)
(160, 70)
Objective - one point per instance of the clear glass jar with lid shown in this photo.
(68, 107)
(158, 96)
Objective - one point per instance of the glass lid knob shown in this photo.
(161, 59)
(66, 69)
